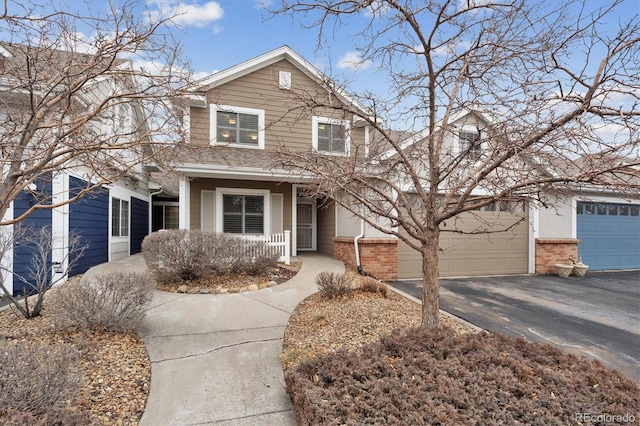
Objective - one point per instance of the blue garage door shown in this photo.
(609, 235)
(23, 253)
(139, 223)
(89, 218)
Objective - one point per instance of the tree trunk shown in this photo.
(430, 279)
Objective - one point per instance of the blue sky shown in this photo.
(220, 34)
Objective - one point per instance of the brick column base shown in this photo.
(378, 256)
(552, 251)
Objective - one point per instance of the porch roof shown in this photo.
(232, 163)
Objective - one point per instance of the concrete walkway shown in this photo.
(215, 358)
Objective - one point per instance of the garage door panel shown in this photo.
(479, 254)
(609, 239)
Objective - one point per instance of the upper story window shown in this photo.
(331, 136)
(236, 126)
(470, 144)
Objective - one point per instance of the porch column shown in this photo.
(185, 203)
(294, 220)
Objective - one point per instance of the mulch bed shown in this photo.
(235, 282)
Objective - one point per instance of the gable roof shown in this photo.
(422, 135)
(272, 57)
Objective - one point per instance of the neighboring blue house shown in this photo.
(111, 220)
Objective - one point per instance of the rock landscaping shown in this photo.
(235, 282)
(113, 367)
(358, 358)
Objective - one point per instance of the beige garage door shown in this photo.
(480, 254)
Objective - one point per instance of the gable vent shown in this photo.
(285, 80)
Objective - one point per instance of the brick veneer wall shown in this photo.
(378, 256)
(552, 251)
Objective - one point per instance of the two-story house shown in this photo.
(112, 218)
(235, 123)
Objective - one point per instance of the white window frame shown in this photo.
(219, 205)
(473, 154)
(213, 130)
(315, 121)
(120, 217)
(165, 204)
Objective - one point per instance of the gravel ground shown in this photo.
(115, 367)
(236, 282)
(320, 324)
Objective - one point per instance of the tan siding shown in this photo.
(285, 124)
(197, 185)
(326, 228)
(479, 254)
(199, 132)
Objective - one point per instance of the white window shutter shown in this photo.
(208, 211)
(277, 209)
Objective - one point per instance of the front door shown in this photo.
(304, 227)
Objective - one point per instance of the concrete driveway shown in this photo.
(597, 315)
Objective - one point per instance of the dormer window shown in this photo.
(236, 126)
(470, 144)
(331, 136)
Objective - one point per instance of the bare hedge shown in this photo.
(425, 377)
(332, 284)
(37, 378)
(108, 302)
(181, 255)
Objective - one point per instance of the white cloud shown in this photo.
(263, 4)
(451, 48)
(199, 75)
(353, 61)
(469, 4)
(186, 14)
(377, 8)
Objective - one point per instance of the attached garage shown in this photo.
(465, 254)
(609, 235)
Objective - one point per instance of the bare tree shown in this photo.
(87, 89)
(41, 274)
(551, 91)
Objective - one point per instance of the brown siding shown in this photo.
(198, 185)
(199, 126)
(475, 254)
(326, 228)
(286, 125)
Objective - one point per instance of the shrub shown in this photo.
(434, 376)
(36, 377)
(372, 285)
(181, 255)
(332, 284)
(109, 302)
(56, 416)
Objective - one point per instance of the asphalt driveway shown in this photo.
(597, 315)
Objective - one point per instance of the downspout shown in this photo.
(355, 245)
(151, 194)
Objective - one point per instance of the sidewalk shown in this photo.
(215, 359)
